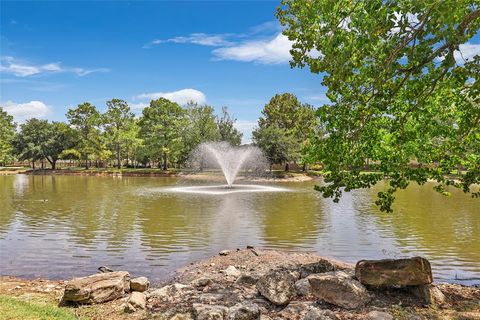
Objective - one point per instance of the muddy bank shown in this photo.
(235, 285)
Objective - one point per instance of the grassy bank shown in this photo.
(16, 308)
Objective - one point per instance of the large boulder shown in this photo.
(97, 288)
(278, 286)
(339, 288)
(394, 272)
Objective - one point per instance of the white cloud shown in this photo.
(181, 97)
(138, 106)
(24, 111)
(203, 39)
(272, 51)
(466, 52)
(19, 68)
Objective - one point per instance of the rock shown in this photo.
(181, 316)
(224, 252)
(232, 272)
(247, 279)
(317, 314)
(139, 284)
(394, 272)
(296, 309)
(429, 293)
(208, 312)
(97, 288)
(136, 301)
(316, 267)
(201, 282)
(379, 315)
(171, 291)
(277, 286)
(244, 311)
(302, 287)
(339, 288)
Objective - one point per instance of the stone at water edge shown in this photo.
(171, 292)
(97, 288)
(394, 272)
(244, 311)
(316, 314)
(136, 301)
(224, 253)
(339, 288)
(201, 282)
(320, 266)
(139, 284)
(248, 279)
(429, 293)
(277, 286)
(232, 272)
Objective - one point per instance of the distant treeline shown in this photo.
(163, 136)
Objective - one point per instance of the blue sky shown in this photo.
(55, 55)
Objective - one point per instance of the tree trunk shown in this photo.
(86, 162)
(287, 167)
(119, 163)
(304, 168)
(165, 158)
(33, 164)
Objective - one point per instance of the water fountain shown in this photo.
(230, 160)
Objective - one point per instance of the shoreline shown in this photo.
(214, 282)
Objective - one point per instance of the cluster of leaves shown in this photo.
(284, 128)
(165, 133)
(7, 130)
(405, 104)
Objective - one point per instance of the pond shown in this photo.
(65, 226)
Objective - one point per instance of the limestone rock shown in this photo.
(181, 316)
(277, 286)
(394, 272)
(316, 267)
(248, 279)
(136, 301)
(97, 288)
(232, 272)
(171, 291)
(139, 284)
(339, 288)
(244, 311)
(302, 287)
(429, 293)
(209, 312)
(224, 252)
(379, 315)
(317, 314)
(201, 282)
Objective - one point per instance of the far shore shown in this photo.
(274, 176)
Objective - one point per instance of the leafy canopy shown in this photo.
(7, 131)
(403, 98)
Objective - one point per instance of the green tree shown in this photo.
(61, 138)
(31, 142)
(399, 88)
(227, 130)
(7, 132)
(277, 145)
(200, 127)
(297, 120)
(118, 120)
(161, 127)
(86, 120)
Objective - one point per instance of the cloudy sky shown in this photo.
(55, 55)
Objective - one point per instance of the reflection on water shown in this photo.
(64, 226)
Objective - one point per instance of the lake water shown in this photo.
(65, 226)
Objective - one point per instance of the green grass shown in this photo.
(13, 309)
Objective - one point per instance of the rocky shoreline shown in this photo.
(249, 284)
